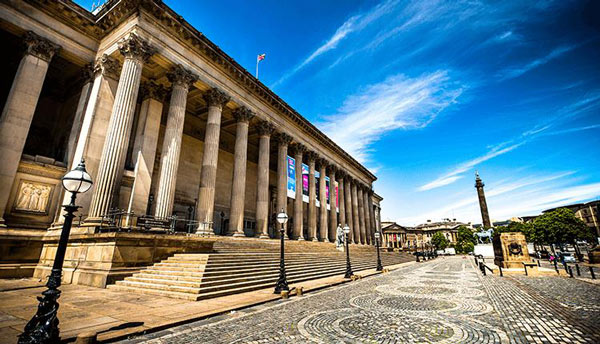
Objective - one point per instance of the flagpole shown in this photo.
(257, 67)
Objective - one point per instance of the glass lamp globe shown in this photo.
(77, 180)
(346, 229)
(282, 217)
(377, 235)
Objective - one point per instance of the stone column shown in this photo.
(114, 152)
(374, 227)
(144, 146)
(243, 116)
(368, 226)
(361, 214)
(298, 150)
(312, 196)
(91, 134)
(333, 222)
(215, 100)
(181, 80)
(19, 109)
(283, 140)
(265, 129)
(340, 175)
(87, 76)
(355, 218)
(348, 207)
(324, 233)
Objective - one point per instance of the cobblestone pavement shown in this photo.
(440, 301)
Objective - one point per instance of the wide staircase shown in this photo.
(239, 266)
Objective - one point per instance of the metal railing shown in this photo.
(117, 220)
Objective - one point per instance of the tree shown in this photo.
(561, 226)
(465, 242)
(439, 241)
(525, 228)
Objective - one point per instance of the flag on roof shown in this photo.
(261, 57)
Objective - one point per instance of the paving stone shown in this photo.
(442, 301)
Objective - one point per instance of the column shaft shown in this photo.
(169, 161)
(114, 152)
(342, 206)
(265, 130)
(324, 234)
(208, 175)
(348, 205)
(333, 222)
(368, 227)
(19, 109)
(298, 203)
(238, 189)
(283, 140)
(312, 196)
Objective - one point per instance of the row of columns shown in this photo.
(355, 205)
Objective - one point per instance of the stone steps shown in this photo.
(200, 276)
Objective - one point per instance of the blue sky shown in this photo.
(425, 93)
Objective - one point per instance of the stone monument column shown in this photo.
(19, 109)
(485, 215)
(356, 220)
(243, 116)
(368, 227)
(324, 233)
(312, 196)
(348, 206)
(283, 140)
(181, 80)
(333, 222)
(144, 145)
(340, 175)
(112, 161)
(298, 150)
(265, 129)
(216, 100)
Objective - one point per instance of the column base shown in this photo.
(238, 234)
(264, 236)
(204, 230)
(301, 239)
(2, 223)
(315, 239)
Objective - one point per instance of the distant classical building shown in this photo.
(398, 236)
(170, 127)
(586, 212)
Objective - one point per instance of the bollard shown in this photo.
(525, 266)
(476, 262)
(538, 263)
(555, 266)
(500, 269)
(592, 272)
(570, 272)
(482, 268)
(577, 269)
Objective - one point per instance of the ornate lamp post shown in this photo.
(348, 267)
(43, 327)
(379, 266)
(282, 284)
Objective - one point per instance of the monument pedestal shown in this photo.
(510, 250)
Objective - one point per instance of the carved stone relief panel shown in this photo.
(33, 197)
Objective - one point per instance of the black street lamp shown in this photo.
(348, 267)
(43, 327)
(379, 266)
(282, 284)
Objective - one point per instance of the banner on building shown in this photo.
(318, 188)
(327, 192)
(291, 177)
(305, 174)
(337, 198)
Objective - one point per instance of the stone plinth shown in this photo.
(103, 258)
(19, 252)
(510, 250)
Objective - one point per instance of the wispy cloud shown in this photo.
(354, 23)
(516, 71)
(397, 102)
(453, 176)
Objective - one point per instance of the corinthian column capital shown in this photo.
(283, 139)
(298, 148)
(243, 114)
(180, 76)
(153, 90)
(133, 47)
(39, 46)
(265, 128)
(216, 97)
(107, 66)
(311, 156)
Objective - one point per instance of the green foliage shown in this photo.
(439, 241)
(465, 240)
(560, 226)
(525, 228)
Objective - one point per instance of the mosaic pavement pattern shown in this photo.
(440, 301)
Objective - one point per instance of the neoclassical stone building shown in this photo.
(167, 123)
